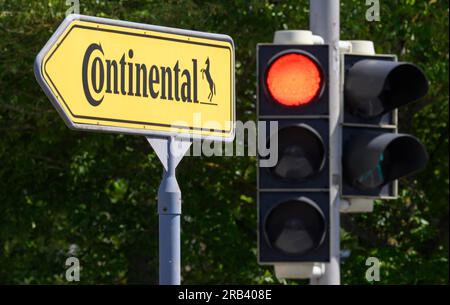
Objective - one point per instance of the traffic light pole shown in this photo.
(324, 21)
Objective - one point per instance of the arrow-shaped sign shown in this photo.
(125, 77)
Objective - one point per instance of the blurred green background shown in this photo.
(94, 195)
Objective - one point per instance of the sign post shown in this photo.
(170, 85)
(170, 151)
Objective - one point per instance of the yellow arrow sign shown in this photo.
(118, 76)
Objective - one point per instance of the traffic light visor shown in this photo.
(375, 87)
(294, 79)
(371, 161)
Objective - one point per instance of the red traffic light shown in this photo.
(294, 79)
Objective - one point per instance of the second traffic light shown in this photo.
(293, 193)
(374, 154)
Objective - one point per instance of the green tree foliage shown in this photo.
(94, 195)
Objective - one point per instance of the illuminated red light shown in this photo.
(294, 79)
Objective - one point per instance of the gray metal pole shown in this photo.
(324, 21)
(169, 210)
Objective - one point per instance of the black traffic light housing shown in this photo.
(293, 195)
(374, 155)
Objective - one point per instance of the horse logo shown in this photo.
(212, 86)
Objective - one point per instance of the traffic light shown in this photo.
(374, 154)
(293, 194)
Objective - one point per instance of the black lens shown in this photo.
(295, 226)
(301, 153)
